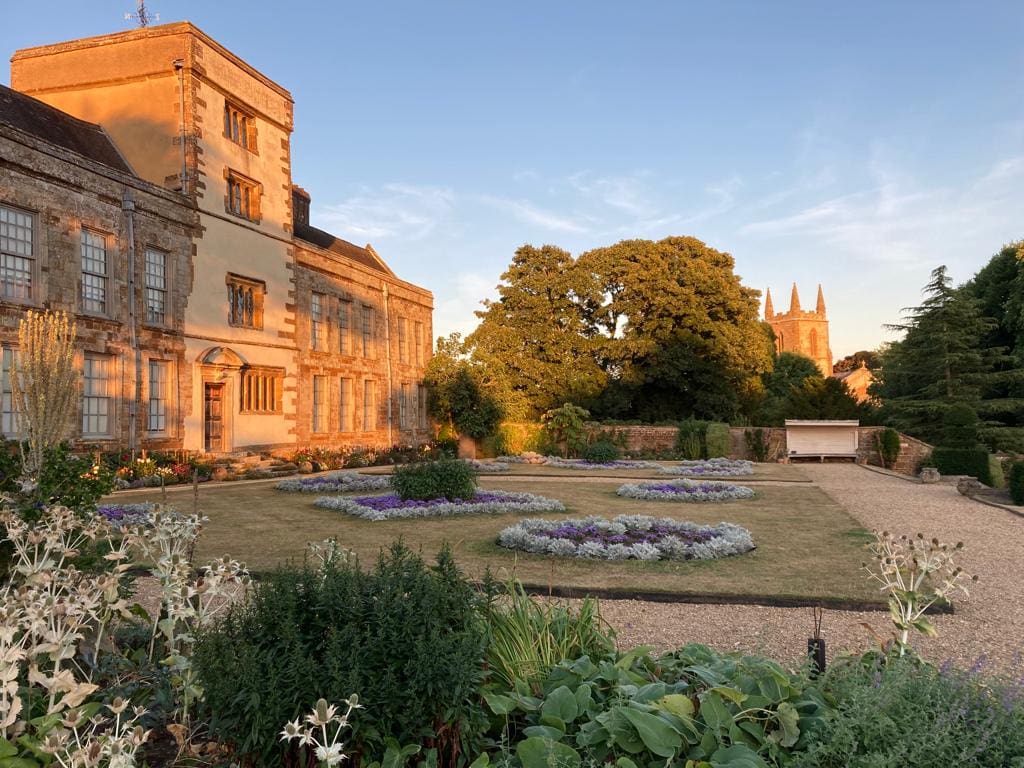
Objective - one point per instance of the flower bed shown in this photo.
(390, 506)
(685, 490)
(711, 467)
(335, 482)
(627, 537)
(121, 515)
(560, 463)
(488, 467)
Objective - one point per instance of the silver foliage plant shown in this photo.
(726, 539)
(711, 467)
(559, 463)
(335, 482)
(488, 467)
(684, 491)
(508, 503)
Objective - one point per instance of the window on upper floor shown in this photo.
(245, 301)
(17, 252)
(243, 198)
(403, 340)
(156, 286)
(94, 271)
(239, 126)
(317, 327)
(344, 327)
(366, 321)
(418, 341)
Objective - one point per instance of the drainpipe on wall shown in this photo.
(179, 67)
(128, 208)
(387, 346)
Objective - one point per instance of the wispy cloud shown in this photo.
(455, 311)
(397, 210)
(530, 213)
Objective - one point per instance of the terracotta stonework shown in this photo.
(800, 331)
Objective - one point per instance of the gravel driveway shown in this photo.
(988, 625)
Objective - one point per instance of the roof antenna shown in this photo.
(141, 15)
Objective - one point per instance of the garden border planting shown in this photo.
(711, 467)
(335, 482)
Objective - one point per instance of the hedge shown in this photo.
(718, 441)
(1017, 483)
(963, 461)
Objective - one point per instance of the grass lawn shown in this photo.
(808, 548)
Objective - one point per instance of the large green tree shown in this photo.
(535, 335)
(940, 361)
(679, 334)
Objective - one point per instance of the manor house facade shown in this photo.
(156, 173)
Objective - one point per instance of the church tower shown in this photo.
(803, 332)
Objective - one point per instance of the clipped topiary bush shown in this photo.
(717, 441)
(442, 479)
(1016, 483)
(960, 427)
(601, 452)
(963, 461)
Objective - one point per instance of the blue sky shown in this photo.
(853, 144)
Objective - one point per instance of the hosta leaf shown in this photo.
(583, 697)
(536, 752)
(499, 705)
(553, 722)
(714, 712)
(561, 703)
(677, 704)
(544, 732)
(737, 756)
(657, 735)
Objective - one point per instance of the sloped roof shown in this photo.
(329, 242)
(50, 124)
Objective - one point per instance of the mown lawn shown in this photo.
(808, 548)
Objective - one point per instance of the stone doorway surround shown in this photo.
(220, 366)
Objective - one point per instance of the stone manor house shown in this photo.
(146, 189)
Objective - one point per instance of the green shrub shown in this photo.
(963, 461)
(565, 429)
(1016, 483)
(407, 637)
(960, 427)
(690, 439)
(601, 452)
(888, 442)
(995, 471)
(442, 479)
(905, 713)
(718, 440)
(758, 445)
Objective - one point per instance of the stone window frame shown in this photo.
(261, 391)
(366, 320)
(346, 403)
(167, 398)
(421, 406)
(417, 339)
(35, 284)
(319, 322)
(403, 340)
(240, 126)
(109, 396)
(320, 407)
(106, 275)
(344, 324)
(404, 405)
(369, 422)
(236, 283)
(165, 320)
(8, 413)
(249, 208)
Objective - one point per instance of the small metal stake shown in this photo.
(816, 644)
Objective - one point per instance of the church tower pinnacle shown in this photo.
(820, 309)
(769, 309)
(794, 300)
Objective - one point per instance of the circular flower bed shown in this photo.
(627, 537)
(488, 467)
(685, 490)
(711, 467)
(560, 463)
(390, 506)
(335, 482)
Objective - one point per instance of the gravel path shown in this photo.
(989, 624)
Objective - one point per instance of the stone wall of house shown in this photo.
(390, 362)
(64, 192)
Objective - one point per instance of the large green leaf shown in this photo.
(499, 705)
(714, 712)
(544, 732)
(396, 756)
(657, 735)
(537, 752)
(737, 756)
(561, 703)
(677, 704)
(7, 749)
(789, 724)
(737, 697)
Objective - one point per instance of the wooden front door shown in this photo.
(213, 417)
